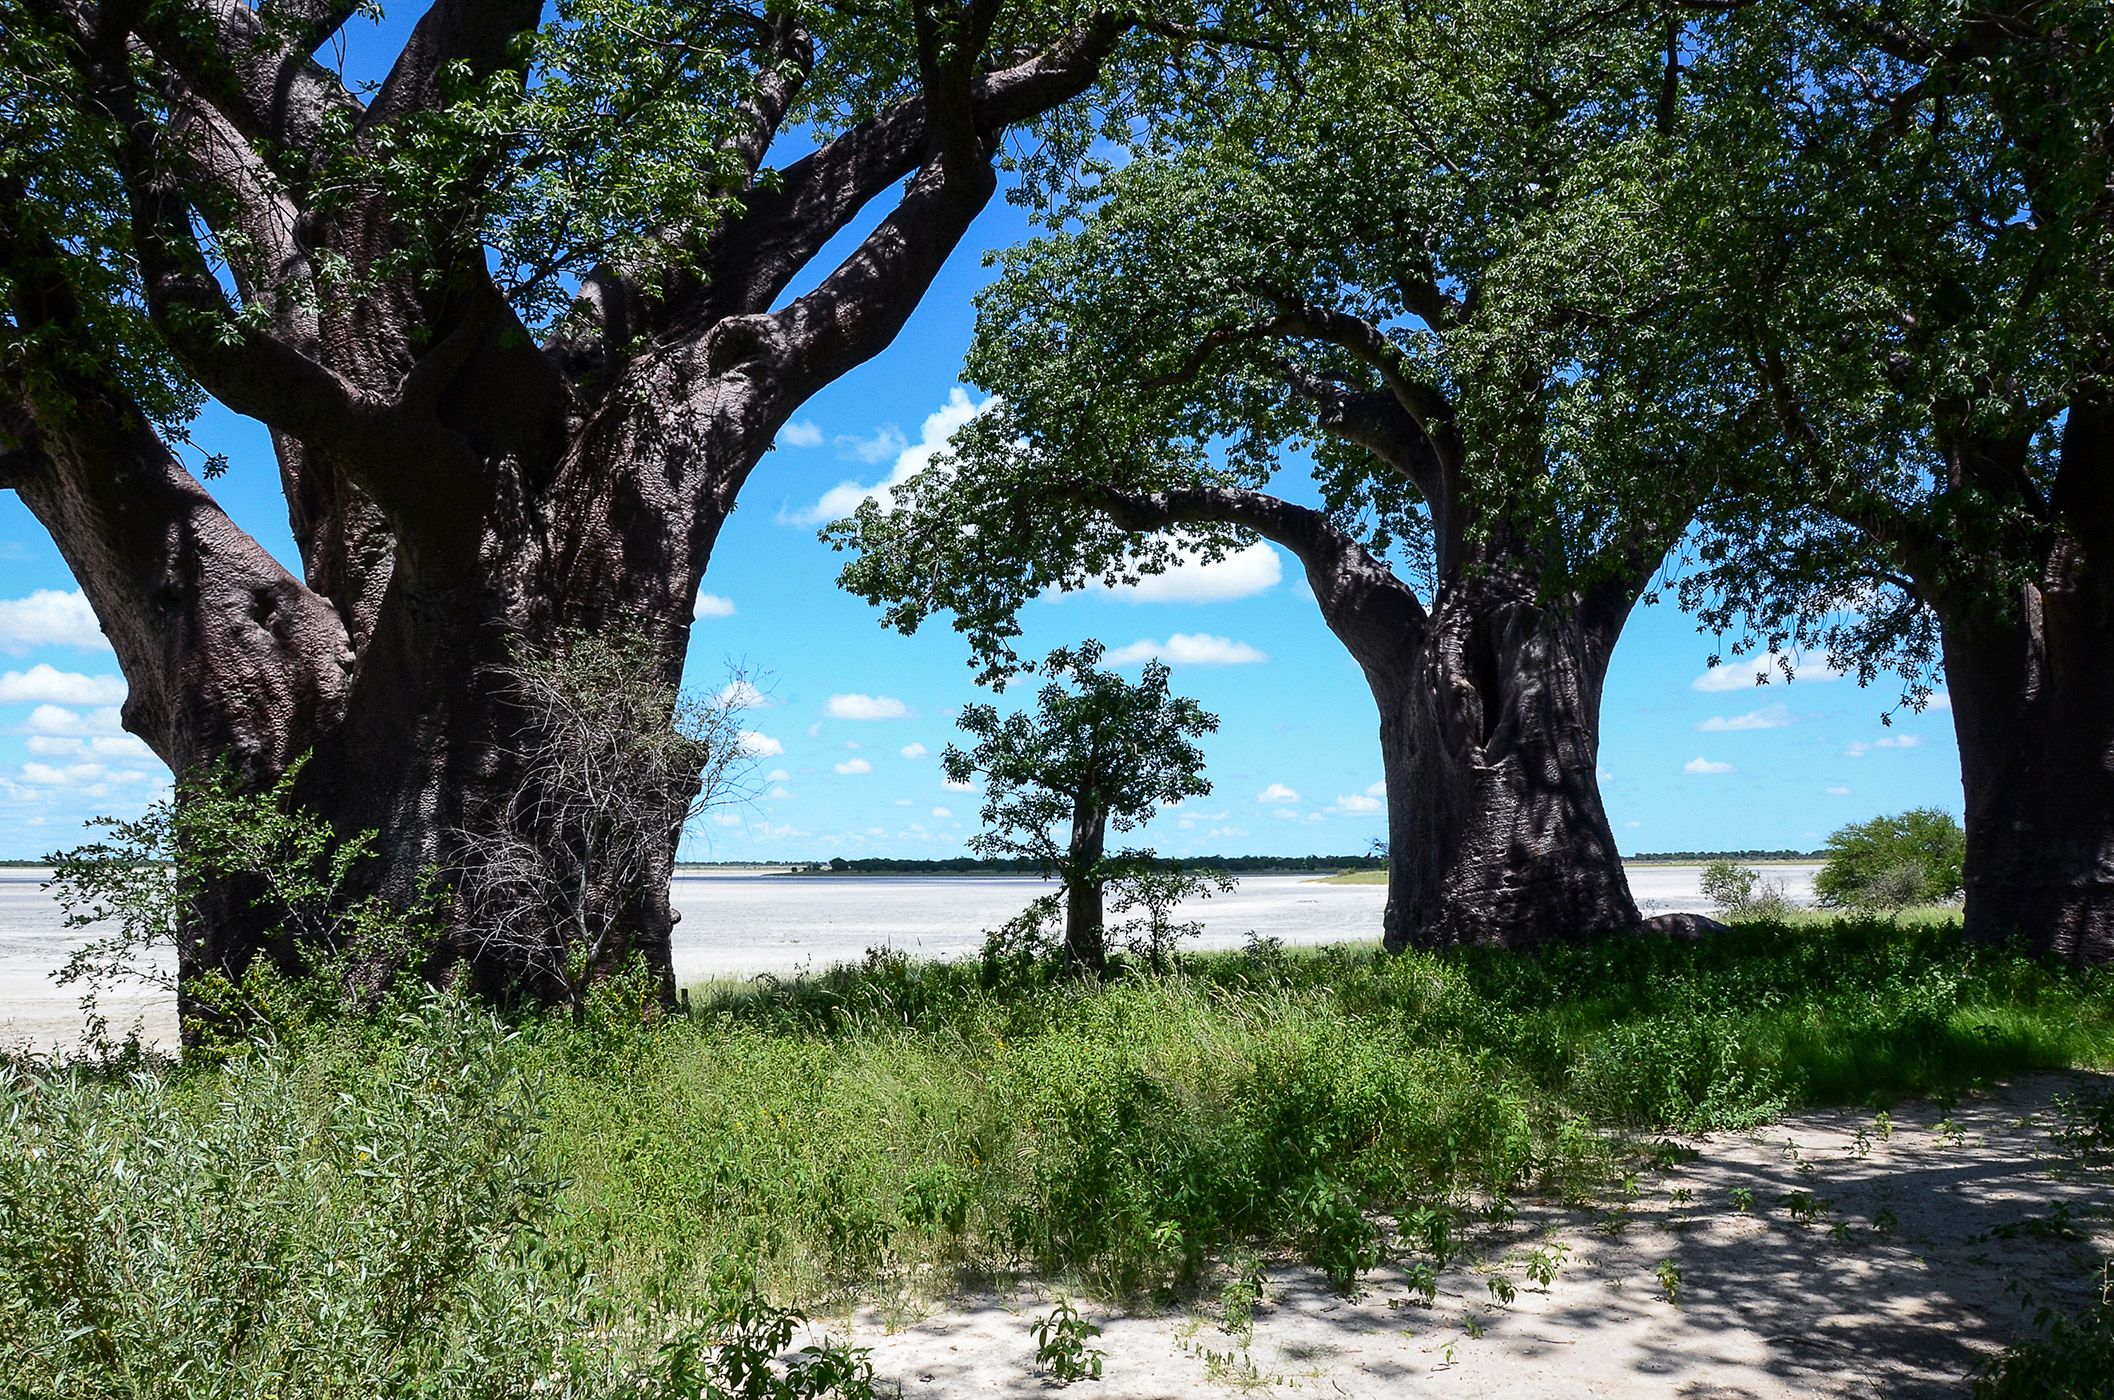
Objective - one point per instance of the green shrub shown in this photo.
(367, 1214)
(1894, 862)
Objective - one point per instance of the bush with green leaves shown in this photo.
(1741, 893)
(359, 1211)
(143, 888)
(1894, 862)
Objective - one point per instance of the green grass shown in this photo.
(1353, 877)
(929, 1123)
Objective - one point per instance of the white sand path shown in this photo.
(1768, 1306)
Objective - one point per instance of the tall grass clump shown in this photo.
(363, 1214)
(906, 1118)
(435, 1202)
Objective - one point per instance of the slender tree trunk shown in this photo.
(2032, 691)
(1489, 743)
(1085, 913)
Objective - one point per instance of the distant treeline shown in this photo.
(970, 865)
(1691, 857)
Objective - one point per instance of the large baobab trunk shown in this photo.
(458, 491)
(1489, 744)
(2032, 688)
(1489, 723)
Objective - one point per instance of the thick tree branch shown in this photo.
(257, 70)
(224, 653)
(1373, 612)
(860, 306)
(1369, 345)
(478, 34)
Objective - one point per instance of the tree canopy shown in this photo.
(1425, 265)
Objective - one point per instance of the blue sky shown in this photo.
(856, 716)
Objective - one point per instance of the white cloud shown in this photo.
(877, 446)
(1631, 826)
(757, 744)
(1286, 813)
(1378, 789)
(857, 706)
(57, 719)
(1837, 791)
(48, 617)
(943, 813)
(777, 775)
(76, 775)
(1704, 765)
(43, 683)
(1940, 700)
(712, 605)
(1192, 579)
(800, 433)
(1188, 649)
(854, 765)
(1768, 717)
(1856, 748)
(1356, 804)
(1277, 792)
(1747, 672)
(915, 751)
(910, 459)
(1900, 741)
(726, 819)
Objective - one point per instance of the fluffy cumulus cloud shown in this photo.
(1195, 579)
(1700, 764)
(851, 766)
(48, 618)
(1900, 741)
(915, 751)
(1277, 792)
(712, 605)
(1188, 649)
(46, 684)
(856, 706)
(910, 459)
(1768, 717)
(757, 744)
(800, 433)
(1744, 673)
(58, 719)
(743, 695)
(1356, 804)
(943, 813)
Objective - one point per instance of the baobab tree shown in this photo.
(1909, 214)
(1426, 270)
(520, 314)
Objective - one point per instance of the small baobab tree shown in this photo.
(1096, 751)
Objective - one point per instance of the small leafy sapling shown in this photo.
(1544, 1263)
(1097, 752)
(1061, 1347)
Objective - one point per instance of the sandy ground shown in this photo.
(1768, 1305)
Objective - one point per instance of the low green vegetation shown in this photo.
(428, 1187)
(1894, 862)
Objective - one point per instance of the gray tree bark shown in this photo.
(454, 488)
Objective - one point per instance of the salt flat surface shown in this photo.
(740, 925)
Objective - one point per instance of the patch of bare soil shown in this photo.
(1835, 1253)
